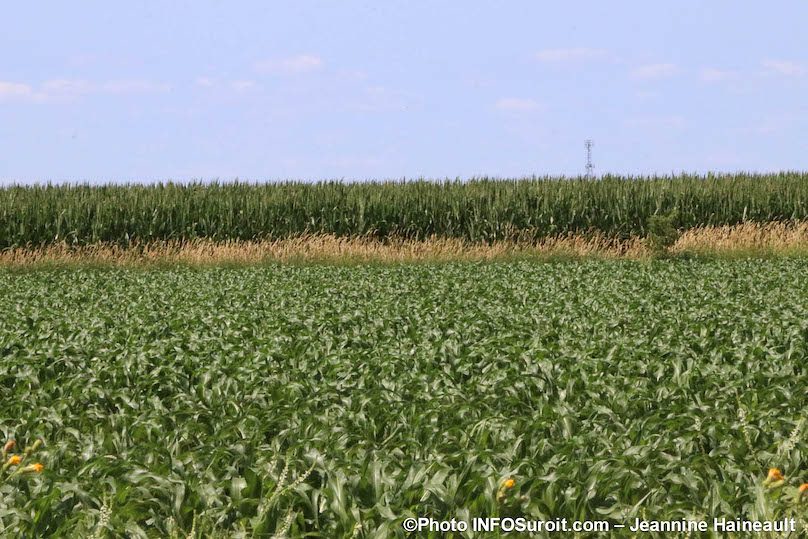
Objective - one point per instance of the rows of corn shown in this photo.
(475, 210)
(334, 402)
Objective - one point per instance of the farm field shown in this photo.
(477, 210)
(334, 401)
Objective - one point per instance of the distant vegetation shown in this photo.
(476, 210)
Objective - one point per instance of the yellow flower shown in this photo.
(774, 479)
(804, 489)
(9, 446)
(509, 483)
(35, 467)
(775, 475)
(13, 460)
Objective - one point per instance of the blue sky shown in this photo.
(149, 90)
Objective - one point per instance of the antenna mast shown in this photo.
(589, 166)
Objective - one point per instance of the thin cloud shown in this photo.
(351, 75)
(238, 85)
(67, 87)
(574, 54)
(712, 74)
(785, 67)
(517, 104)
(15, 91)
(133, 86)
(303, 63)
(243, 85)
(77, 87)
(654, 71)
(61, 90)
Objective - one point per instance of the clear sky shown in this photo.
(153, 90)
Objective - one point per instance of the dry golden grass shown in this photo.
(747, 239)
(789, 238)
(317, 249)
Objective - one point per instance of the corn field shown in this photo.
(480, 210)
(335, 402)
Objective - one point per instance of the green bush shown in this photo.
(662, 231)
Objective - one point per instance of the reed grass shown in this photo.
(744, 240)
(779, 238)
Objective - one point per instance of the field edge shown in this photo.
(747, 240)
